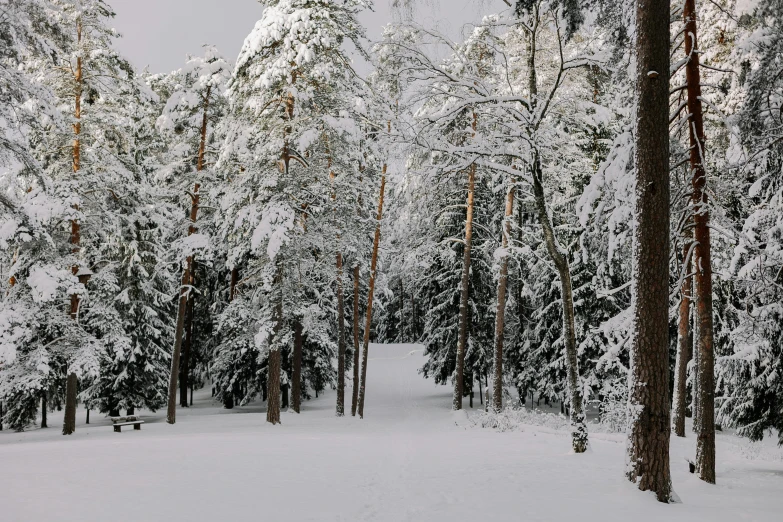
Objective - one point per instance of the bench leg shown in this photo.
(137, 426)
(118, 429)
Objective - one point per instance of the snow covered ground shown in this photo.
(410, 459)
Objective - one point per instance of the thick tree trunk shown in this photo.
(274, 367)
(370, 293)
(462, 344)
(273, 395)
(69, 424)
(500, 315)
(296, 374)
(560, 260)
(355, 391)
(648, 447)
(71, 383)
(705, 442)
(683, 348)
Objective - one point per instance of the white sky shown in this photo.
(160, 33)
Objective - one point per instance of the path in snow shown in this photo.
(410, 459)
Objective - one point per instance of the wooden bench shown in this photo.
(131, 420)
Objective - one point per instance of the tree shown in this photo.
(648, 447)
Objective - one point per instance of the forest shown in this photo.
(578, 207)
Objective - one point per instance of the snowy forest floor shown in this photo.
(410, 459)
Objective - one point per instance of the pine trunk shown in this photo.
(296, 374)
(683, 348)
(462, 344)
(355, 391)
(274, 369)
(371, 291)
(500, 316)
(234, 281)
(705, 445)
(648, 448)
(187, 345)
(71, 383)
(171, 413)
(273, 394)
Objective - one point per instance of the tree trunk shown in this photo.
(171, 413)
(705, 445)
(560, 260)
(500, 316)
(648, 448)
(43, 411)
(683, 347)
(340, 409)
(296, 374)
(69, 423)
(355, 391)
(462, 344)
(371, 291)
(87, 420)
(273, 376)
(186, 348)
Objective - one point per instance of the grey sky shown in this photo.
(159, 33)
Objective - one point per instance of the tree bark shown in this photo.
(370, 293)
(340, 408)
(71, 383)
(648, 448)
(683, 347)
(559, 258)
(43, 411)
(186, 349)
(296, 374)
(500, 316)
(171, 413)
(462, 344)
(705, 442)
(273, 376)
(355, 390)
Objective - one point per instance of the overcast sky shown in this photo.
(159, 33)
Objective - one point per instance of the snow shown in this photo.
(411, 458)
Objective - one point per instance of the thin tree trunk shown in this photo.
(560, 260)
(500, 316)
(340, 409)
(43, 410)
(648, 448)
(705, 442)
(370, 293)
(87, 420)
(462, 344)
(355, 391)
(695, 394)
(296, 374)
(171, 413)
(683, 348)
(71, 383)
(186, 349)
